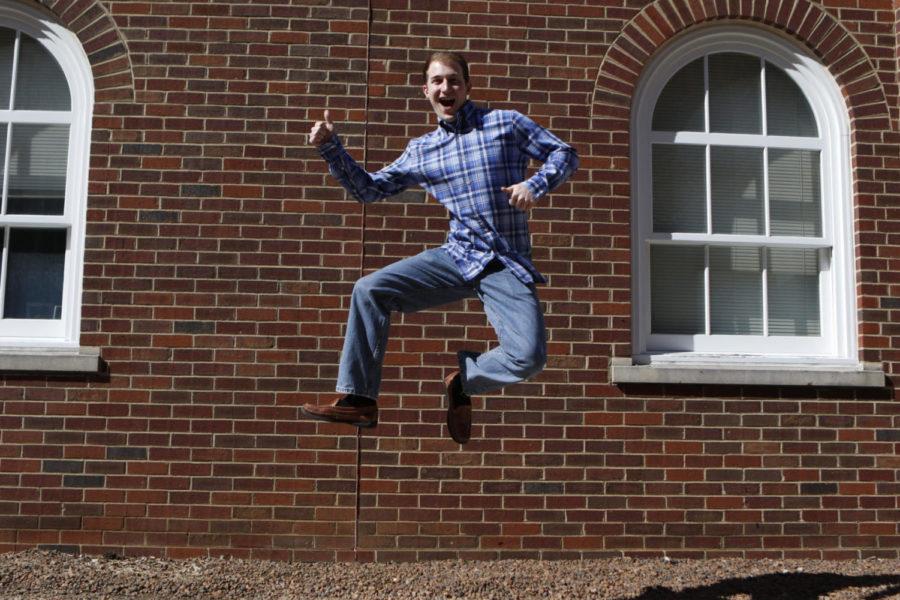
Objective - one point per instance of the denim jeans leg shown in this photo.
(423, 281)
(515, 312)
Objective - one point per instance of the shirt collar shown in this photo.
(465, 119)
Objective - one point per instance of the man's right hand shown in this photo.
(322, 131)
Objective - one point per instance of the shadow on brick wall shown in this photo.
(766, 392)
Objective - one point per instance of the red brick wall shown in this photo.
(220, 256)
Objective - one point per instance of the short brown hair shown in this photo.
(446, 57)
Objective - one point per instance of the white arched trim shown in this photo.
(65, 47)
(837, 346)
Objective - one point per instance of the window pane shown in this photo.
(34, 274)
(737, 190)
(40, 83)
(735, 291)
(680, 105)
(795, 193)
(793, 292)
(7, 45)
(4, 127)
(676, 290)
(37, 169)
(679, 188)
(787, 111)
(734, 94)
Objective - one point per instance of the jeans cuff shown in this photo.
(346, 390)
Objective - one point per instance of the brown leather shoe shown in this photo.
(343, 411)
(459, 409)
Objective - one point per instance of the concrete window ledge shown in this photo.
(865, 375)
(50, 360)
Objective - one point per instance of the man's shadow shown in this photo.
(781, 586)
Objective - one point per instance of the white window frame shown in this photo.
(67, 50)
(837, 344)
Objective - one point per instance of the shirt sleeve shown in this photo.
(560, 160)
(364, 186)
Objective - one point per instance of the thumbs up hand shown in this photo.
(520, 196)
(322, 131)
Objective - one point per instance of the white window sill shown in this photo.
(50, 360)
(622, 370)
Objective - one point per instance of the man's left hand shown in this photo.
(520, 196)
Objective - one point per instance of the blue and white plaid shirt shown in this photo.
(463, 164)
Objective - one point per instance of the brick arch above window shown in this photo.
(809, 23)
(103, 43)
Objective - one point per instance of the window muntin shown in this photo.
(737, 249)
(46, 95)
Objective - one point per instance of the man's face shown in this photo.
(446, 89)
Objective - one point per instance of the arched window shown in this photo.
(46, 102)
(742, 238)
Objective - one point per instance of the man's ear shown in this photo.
(425, 89)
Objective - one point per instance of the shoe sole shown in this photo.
(326, 419)
(449, 398)
(453, 437)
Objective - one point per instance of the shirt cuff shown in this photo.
(331, 149)
(538, 186)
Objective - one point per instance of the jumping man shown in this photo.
(474, 164)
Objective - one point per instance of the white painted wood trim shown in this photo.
(65, 47)
(837, 296)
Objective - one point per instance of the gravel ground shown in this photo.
(40, 575)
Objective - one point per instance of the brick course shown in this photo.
(220, 256)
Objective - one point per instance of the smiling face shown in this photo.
(446, 88)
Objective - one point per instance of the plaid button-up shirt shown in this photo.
(463, 164)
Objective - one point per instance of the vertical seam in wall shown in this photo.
(362, 260)
(365, 155)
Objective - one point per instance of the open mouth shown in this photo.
(447, 102)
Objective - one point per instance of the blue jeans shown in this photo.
(431, 279)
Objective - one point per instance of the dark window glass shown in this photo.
(34, 274)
